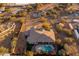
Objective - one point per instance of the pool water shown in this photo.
(46, 48)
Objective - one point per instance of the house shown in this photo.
(41, 40)
(34, 39)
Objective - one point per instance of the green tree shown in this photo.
(8, 10)
(3, 50)
(13, 45)
(69, 40)
(43, 19)
(71, 49)
(22, 19)
(53, 21)
(59, 28)
(29, 53)
(68, 32)
(46, 25)
(61, 52)
(63, 20)
(58, 41)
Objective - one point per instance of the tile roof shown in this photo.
(35, 37)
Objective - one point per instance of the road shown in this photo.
(47, 6)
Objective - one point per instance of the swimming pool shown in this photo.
(45, 48)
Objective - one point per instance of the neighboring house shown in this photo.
(16, 11)
(36, 14)
(2, 9)
(76, 20)
(76, 32)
